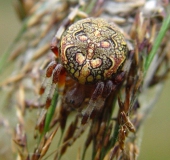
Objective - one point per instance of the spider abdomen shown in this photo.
(92, 50)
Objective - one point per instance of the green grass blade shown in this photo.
(158, 40)
(50, 114)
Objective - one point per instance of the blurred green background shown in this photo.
(155, 142)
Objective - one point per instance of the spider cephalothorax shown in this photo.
(92, 50)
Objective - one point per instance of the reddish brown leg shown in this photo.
(61, 81)
(57, 73)
(49, 72)
(119, 78)
(54, 47)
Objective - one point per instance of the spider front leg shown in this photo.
(57, 72)
(49, 72)
(58, 80)
(69, 20)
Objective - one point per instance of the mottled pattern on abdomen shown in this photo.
(92, 50)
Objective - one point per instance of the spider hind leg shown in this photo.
(108, 87)
(94, 101)
(101, 92)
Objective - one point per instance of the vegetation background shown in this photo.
(155, 142)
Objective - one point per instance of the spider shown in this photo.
(92, 52)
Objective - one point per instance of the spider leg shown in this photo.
(107, 89)
(69, 19)
(94, 101)
(61, 81)
(119, 78)
(57, 79)
(109, 86)
(49, 72)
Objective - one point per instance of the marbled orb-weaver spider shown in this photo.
(91, 51)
